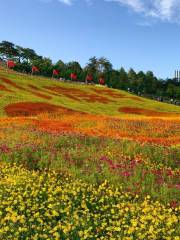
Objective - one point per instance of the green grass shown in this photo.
(110, 108)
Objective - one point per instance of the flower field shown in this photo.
(79, 163)
(49, 205)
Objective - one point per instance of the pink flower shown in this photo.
(126, 174)
(177, 186)
(173, 204)
(4, 148)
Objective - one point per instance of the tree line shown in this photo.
(141, 83)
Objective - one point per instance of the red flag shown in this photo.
(55, 72)
(89, 78)
(11, 64)
(34, 69)
(73, 76)
(101, 81)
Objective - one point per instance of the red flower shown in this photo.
(173, 204)
(4, 149)
(126, 174)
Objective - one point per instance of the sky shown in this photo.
(142, 34)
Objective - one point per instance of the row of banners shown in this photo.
(73, 76)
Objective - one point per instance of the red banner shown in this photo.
(34, 69)
(73, 76)
(101, 81)
(89, 78)
(11, 64)
(55, 72)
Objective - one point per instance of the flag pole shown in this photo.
(7, 66)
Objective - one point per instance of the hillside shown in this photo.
(86, 162)
(16, 88)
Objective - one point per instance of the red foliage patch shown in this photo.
(51, 93)
(145, 112)
(8, 81)
(68, 92)
(3, 88)
(53, 126)
(109, 92)
(29, 109)
(79, 95)
(41, 95)
(94, 98)
(38, 92)
(33, 87)
(32, 108)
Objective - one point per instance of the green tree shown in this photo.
(61, 67)
(29, 54)
(8, 50)
(99, 68)
(171, 90)
(45, 65)
(141, 82)
(177, 92)
(20, 53)
(23, 67)
(151, 83)
(114, 79)
(73, 67)
(123, 79)
(92, 65)
(103, 65)
(132, 78)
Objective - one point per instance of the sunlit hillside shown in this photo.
(16, 88)
(86, 162)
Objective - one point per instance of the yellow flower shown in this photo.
(55, 213)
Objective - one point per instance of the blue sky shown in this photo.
(142, 34)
